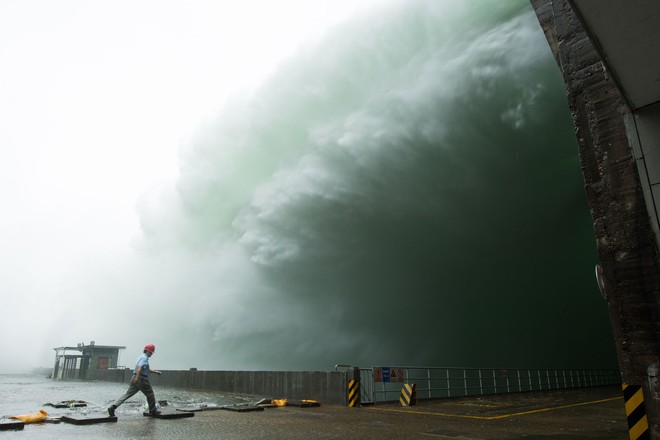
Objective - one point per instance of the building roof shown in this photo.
(626, 34)
(91, 347)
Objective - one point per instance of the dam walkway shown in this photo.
(587, 413)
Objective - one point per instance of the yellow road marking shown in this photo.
(503, 416)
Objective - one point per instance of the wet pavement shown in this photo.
(592, 413)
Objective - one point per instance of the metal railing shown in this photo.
(383, 384)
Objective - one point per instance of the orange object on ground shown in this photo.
(31, 418)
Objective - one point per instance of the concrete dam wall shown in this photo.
(325, 387)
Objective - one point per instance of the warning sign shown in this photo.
(388, 374)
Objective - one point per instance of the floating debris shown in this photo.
(270, 403)
(68, 404)
(242, 407)
(87, 420)
(169, 415)
(303, 403)
(11, 425)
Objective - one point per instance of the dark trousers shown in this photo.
(141, 385)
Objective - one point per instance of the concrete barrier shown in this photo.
(325, 387)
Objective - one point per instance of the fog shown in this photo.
(387, 183)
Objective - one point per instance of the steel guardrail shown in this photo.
(445, 382)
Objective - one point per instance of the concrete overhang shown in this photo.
(627, 34)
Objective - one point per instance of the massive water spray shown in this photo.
(405, 191)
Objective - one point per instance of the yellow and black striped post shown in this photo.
(353, 393)
(638, 425)
(408, 395)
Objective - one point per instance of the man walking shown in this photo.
(140, 382)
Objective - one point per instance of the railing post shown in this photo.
(428, 376)
(465, 388)
(448, 385)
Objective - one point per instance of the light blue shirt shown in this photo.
(144, 362)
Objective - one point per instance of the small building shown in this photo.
(83, 361)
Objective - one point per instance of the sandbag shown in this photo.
(31, 418)
(279, 402)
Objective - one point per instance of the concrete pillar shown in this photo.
(625, 239)
(353, 392)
